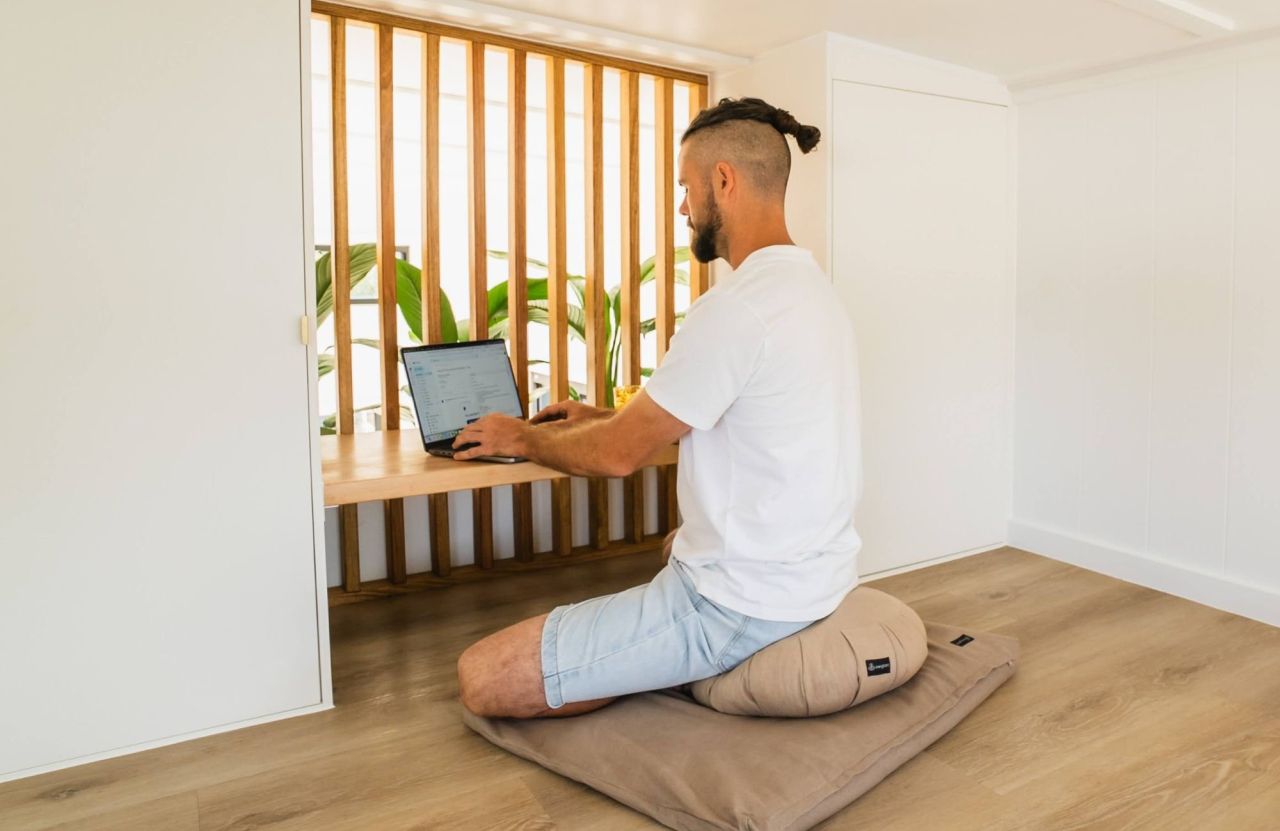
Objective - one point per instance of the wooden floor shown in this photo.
(1130, 709)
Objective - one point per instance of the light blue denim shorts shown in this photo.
(650, 637)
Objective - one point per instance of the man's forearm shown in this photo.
(579, 448)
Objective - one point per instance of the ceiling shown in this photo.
(1011, 39)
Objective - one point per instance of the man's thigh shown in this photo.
(566, 661)
(581, 656)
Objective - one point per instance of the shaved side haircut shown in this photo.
(750, 134)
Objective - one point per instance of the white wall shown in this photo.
(1148, 351)
(157, 532)
(907, 202)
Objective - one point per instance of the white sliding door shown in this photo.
(920, 235)
(157, 534)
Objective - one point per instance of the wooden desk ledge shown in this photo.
(366, 467)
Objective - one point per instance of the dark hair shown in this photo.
(753, 109)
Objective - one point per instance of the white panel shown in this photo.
(417, 539)
(461, 529)
(865, 62)
(1114, 167)
(504, 532)
(157, 530)
(919, 233)
(333, 548)
(1253, 539)
(1049, 382)
(1193, 213)
(372, 521)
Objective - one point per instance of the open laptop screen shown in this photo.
(455, 384)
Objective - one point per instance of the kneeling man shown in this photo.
(760, 387)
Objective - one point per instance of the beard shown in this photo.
(704, 236)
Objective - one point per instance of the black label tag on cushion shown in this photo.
(962, 640)
(878, 666)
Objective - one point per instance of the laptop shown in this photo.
(454, 384)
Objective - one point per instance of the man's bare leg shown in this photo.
(501, 676)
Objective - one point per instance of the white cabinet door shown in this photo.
(159, 569)
(920, 235)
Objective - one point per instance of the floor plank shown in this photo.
(1131, 709)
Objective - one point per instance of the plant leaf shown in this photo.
(651, 325)
(503, 255)
(409, 299)
(363, 257)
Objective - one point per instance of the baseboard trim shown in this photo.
(1189, 583)
(945, 558)
(168, 740)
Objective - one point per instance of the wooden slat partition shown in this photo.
(697, 271)
(629, 180)
(665, 267)
(394, 508)
(557, 288)
(503, 41)
(518, 277)
(340, 262)
(599, 379)
(481, 500)
(437, 503)
(595, 310)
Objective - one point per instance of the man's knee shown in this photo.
(501, 675)
(471, 678)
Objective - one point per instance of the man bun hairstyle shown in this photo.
(754, 109)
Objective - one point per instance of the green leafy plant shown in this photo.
(363, 258)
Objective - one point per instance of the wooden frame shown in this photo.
(393, 510)
(437, 504)
(482, 499)
(518, 279)
(557, 288)
(665, 267)
(385, 27)
(340, 262)
(492, 39)
(595, 309)
(697, 271)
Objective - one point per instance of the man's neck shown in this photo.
(761, 233)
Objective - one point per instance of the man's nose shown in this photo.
(684, 206)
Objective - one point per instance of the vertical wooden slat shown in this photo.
(629, 296)
(438, 503)
(557, 287)
(697, 270)
(393, 508)
(431, 189)
(340, 259)
(518, 276)
(664, 212)
(595, 310)
(482, 498)
(340, 262)
(665, 275)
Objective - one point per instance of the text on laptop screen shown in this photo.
(456, 386)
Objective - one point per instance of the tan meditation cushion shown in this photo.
(871, 643)
(694, 769)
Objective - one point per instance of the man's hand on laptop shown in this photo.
(567, 412)
(493, 435)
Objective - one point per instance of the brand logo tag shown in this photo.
(878, 666)
(962, 640)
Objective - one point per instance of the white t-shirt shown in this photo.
(765, 371)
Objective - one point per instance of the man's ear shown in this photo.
(724, 179)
